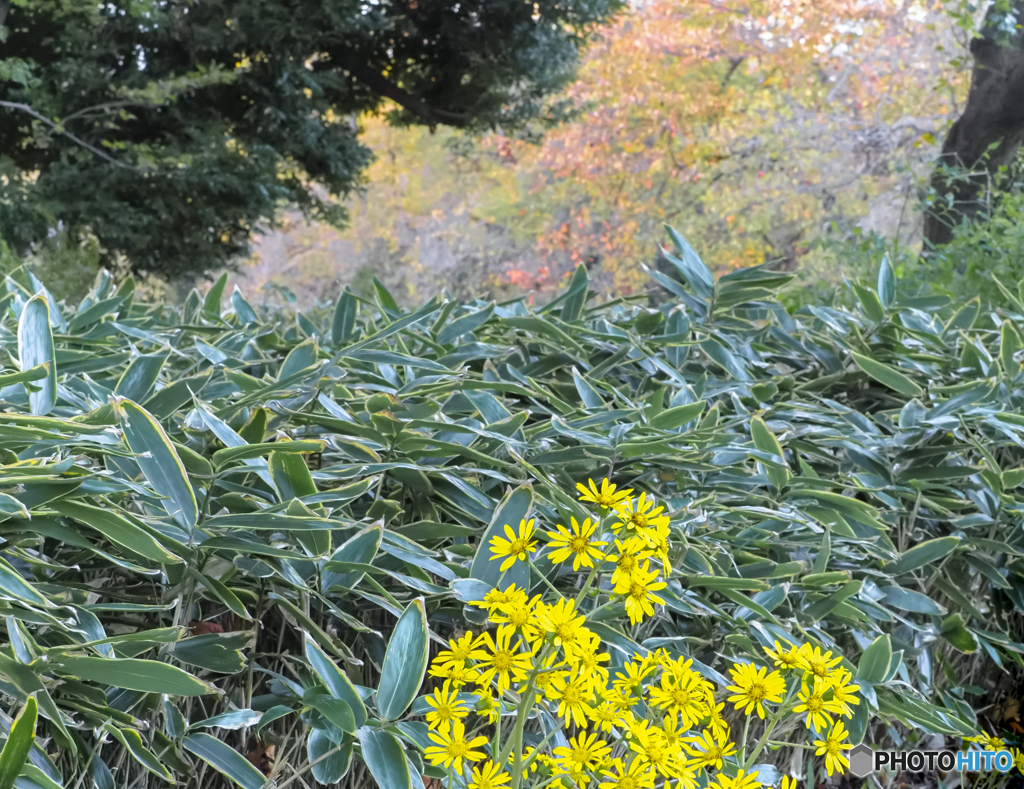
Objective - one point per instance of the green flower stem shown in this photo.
(543, 577)
(772, 722)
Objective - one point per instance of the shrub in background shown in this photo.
(237, 532)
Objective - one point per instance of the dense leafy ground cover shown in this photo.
(213, 517)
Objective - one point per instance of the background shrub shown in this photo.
(242, 502)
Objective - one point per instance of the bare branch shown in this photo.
(376, 81)
(11, 105)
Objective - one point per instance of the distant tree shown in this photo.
(982, 145)
(171, 129)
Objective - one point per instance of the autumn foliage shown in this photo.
(756, 128)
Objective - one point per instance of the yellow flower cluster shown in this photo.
(638, 533)
(653, 719)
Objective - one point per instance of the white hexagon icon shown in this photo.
(862, 760)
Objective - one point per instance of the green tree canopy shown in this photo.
(171, 129)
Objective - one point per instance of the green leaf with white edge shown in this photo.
(140, 376)
(133, 743)
(874, 662)
(405, 662)
(159, 462)
(909, 600)
(765, 440)
(214, 296)
(511, 511)
(465, 324)
(334, 679)
(19, 742)
(117, 529)
(588, 394)
(672, 418)
(249, 451)
(338, 712)
(922, 554)
(330, 762)
(886, 283)
(385, 758)
(243, 309)
(576, 295)
(37, 373)
(301, 357)
(35, 347)
(11, 506)
(887, 375)
(358, 549)
(1010, 343)
(233, 720)
(14, 587)
(225, 760)
(292, 480)
(146, 676)
(345, 313)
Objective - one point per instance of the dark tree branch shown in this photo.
(11, 105)
(986, 137)
(378, 83)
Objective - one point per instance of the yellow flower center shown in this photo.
(502, 661)
(627, 563)
(578, 544)
(518, 546)
(681, 697)
(639, 520)
(815, 703)
(832, 746)
(457, 749)
(757, 692)
(637, 591)
(572, 695)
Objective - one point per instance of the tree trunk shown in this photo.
(990, 132)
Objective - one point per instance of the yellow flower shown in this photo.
(498, 597)
(468, 647)
(844, 692)
(639, 591)
(741, 781)
(988, 742)
(488, 776)
(686, 775)
(604, 716)
(709, 749)
(446, 706)
(606, 496)
(716, 721)
(627, 560)
(573, 694)
(535, 763)
(520, 613)
(683, 695)
(649, 744)
(583, 753)
(832, 748)
(631, 682)
(754, 687)
(816, 662)
(487, 707)
(563, 622)
(457, 673)
(641, 519)
(812, 701)
(788, 783)
(517, 546)
(577, 544)
(1018, 759)
(636, 776)
(503, 662)
(785, 658)
(451, 749)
